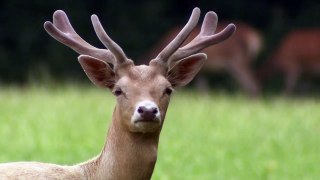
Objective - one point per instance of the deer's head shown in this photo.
(142, 92)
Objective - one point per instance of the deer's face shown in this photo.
(142, 92)
(143, 96)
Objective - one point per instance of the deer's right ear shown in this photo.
(98, 71)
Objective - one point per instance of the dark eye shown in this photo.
(168, 91)
(117, 92)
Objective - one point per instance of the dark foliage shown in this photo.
(27, 50)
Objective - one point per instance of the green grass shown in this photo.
(213, 137)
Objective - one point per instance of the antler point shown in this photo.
(58, 12)
(212, 13)
(46, 24)
(94, 18)
(196, 10)
(232, 26)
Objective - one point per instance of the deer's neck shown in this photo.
(126, 155)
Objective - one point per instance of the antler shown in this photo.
(181, 37)
(107, 41)
(205, 38)
(62, 31)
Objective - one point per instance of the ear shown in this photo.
(98, 71)
(186, 69)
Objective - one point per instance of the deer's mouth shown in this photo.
(155, 120)
(146, 125)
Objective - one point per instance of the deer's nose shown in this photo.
(147, 113)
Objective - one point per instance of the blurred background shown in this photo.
(28, 53)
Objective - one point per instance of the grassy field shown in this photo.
(213, 137)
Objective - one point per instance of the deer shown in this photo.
(142, 98)
(298, 53)
(234, 56)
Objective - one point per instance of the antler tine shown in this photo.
(205, 38)
(107, 41)
(181, 37)
(209, 24)
(62, 30)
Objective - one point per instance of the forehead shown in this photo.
(143, 74)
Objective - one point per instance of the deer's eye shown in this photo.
(117, 92)
(168, 91)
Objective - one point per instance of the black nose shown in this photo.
(147, 113)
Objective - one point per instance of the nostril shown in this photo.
(148, 112)
(140, 110)
(154, 110)
(143, 110)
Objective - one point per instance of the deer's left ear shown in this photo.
(98, 71)
(186, 69)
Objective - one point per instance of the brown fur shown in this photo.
(297, 53)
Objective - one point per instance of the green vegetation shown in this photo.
(204, 137)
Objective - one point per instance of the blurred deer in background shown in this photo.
(234, 55)
(142, 93)
(298, 53)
